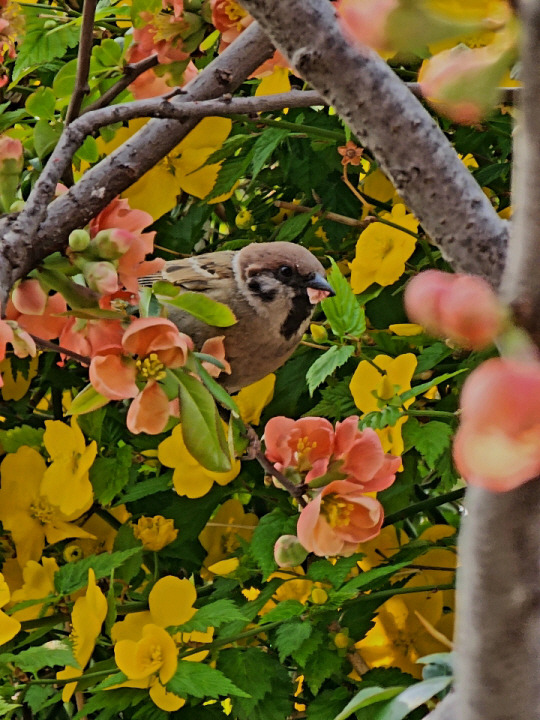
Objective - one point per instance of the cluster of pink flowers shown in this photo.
(497, 445)
(340, 467)
(10, 28)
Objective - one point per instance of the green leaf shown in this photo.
(326, 364)
(74, 576)
(232, 171)
(431, 439)
(201, 425)
(229, 147)
(295, 225)
(290, 637)
(343, 311)
(327, 703)
(87, 401)
(215, 388)
(335, 573)
(64, 81)
(76, 296)
(108, 53)
(320, 666)
(45, 137)
(336, 402)
(202, 681)
(365, 581)
(284, 610)
(110, 475)
(11, 440)
(41, 45)
(6, 708)
(424, 387)
(146, 487)
(263, 148)
(53, 654)
(310, 646)
(41, 103)
(88, 151)
(432, 356)
(365, 698)
(411, 698)
(215, 615)
(270, 527)
(203, 308)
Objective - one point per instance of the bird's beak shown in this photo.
(318, 288)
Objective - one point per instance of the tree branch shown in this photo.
(402, 136)
(30, 236)
(131, 72)
(83, 60)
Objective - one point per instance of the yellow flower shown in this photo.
(381, 250)
(156, 192)
(220, 537)
(103, 534)
(295, 587)
(410, 626)
(155, 532)
(9, 627)
(387, 543)
(28, 511)
(38, 582)
(190, 478)
(373, 384)
(406, 329)
(252, 399)
(87, 617)
(251, 593)
(170, 603)
(276, 82)
(71, 460)
(194, 639)
(16, 383)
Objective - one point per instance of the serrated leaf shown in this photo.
(320, 666)
(335, 573)
(41, 103)
(146, 487)
(54, 654)
(203, 308)
(229, 174)
(87, 401)
(290, 637)
(11, 440)
(343, 311)
(202, 681)
(284, 610)
(263, 148)
(365, 698)
(74, 576)
(365, 581)
(295, 225)
(431, 439)
(327, 704)
(202, 428)
(326, 364)
(214, 615)
(110, 475)
(229, 147)
(6, 708)
(270, 527)
(336, 402)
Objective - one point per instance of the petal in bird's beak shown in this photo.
(318, 288)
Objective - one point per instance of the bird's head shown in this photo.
(282, 279)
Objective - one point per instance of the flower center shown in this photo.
(42, 511)
(155, 654)
(234, 11)
(151, 368)
(336, 511)
(303, 449)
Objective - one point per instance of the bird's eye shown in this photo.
(285, 271)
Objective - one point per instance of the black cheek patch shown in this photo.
(301, 309)
(264, 295)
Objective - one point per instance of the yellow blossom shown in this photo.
(406, 329)
(373, 384)
(382, 250)
(87, 617)
(190, 478)
(407, 627)
(9, 626)
(318, 333)
(156, 192)
(377, 186)
(251, 593)
(155, 532)
(275, 82)
(387, 543)
(16, 383)
(103, 533)
(252, 399)
(224, 567)
(29, 512)
(220, 537)
(38, 582)
(294, 587)
(170, 603)
(71, 461)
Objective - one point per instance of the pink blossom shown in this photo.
(366, 22)
(304, 444)
(216, 347)
(338, 519)
(41, 319)
(497, 445)
(463, 308)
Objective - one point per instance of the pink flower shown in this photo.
(338, 519)
(160, 336)
(216, 347)
(37, 312)
(497, 445)
(304, 444)
(91, 337)
(362, 457)
(463, 308)
(366, 22)
(11, 149)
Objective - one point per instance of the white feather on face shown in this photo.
(270, 287)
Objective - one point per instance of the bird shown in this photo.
(271, 287)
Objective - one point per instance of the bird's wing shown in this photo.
(203, 273)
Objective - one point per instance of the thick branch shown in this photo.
(405, 140)
(29, 237)
(520, 282)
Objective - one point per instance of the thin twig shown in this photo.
(336, 217)
(48, 345)
(131, 72)
(295, 490)
(83, 61)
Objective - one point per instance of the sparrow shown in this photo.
(272, 288)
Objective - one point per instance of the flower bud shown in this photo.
(318, 333)
(79, 240)
(155, 532)
(29, 298)
(112, 243)
(101, 277)
(244, 219)
(288, 551)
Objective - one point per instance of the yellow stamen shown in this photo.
(151, 368)
(337, 512)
